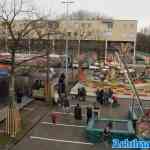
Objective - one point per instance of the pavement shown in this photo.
(4, 108)
(67, 133)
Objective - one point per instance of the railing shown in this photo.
(136, 103)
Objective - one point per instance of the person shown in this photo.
(106, 135)
(53, 117)
(66, 104)
(19, 94)
(106, 96)
(78, 112)
(110, 93)
(88, 113)
(99, 96)
(115, 101)
(61, 85)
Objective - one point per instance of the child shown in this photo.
(54, 117)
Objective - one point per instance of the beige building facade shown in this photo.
(102, 29)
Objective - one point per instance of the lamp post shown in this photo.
(134, 53)
(67, 3)
(106, 53)
(106, 35)
(6, 39)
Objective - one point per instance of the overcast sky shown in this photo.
(118, 9)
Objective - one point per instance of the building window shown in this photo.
(75, 34)
(69, 33)
(109, 26)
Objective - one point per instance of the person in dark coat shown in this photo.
(19, 95)
(78, 112)
(89, 113)
(66, 104)
(110, 93)
(106, 96)
(99, 96)
(61, 85)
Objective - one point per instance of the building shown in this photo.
(102, 29)
(110, 33)
(100, 35)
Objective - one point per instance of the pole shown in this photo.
(79, 45)
(134, 53)
(29, 43)
(54, 46)
(6, 39)
(47, 73)
(67, 2)
(106, 46)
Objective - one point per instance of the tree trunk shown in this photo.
(13, 120)
(12, 81)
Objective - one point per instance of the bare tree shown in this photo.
(18, 18)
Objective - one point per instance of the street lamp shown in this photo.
(67, 3)
(106, 36)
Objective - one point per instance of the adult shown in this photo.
(106, 96)
(107, 134)
(66, 104)
(88, 113)
(110, 93)
(19, 95)
(61, 85)
(78, 112)
(99, 96)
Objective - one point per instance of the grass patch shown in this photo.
(4, 140)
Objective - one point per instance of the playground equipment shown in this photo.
(121, 129)
(137, 112)
(136, 106)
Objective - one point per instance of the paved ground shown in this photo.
(67, 134)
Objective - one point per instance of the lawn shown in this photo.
(4, 140)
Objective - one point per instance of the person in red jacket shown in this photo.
(54, 117)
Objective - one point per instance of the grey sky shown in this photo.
(119, 9)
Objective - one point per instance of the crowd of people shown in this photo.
(103, 97)
(106, 96)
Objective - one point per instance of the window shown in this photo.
(110, 26)
(75, 34)
(69, 33)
